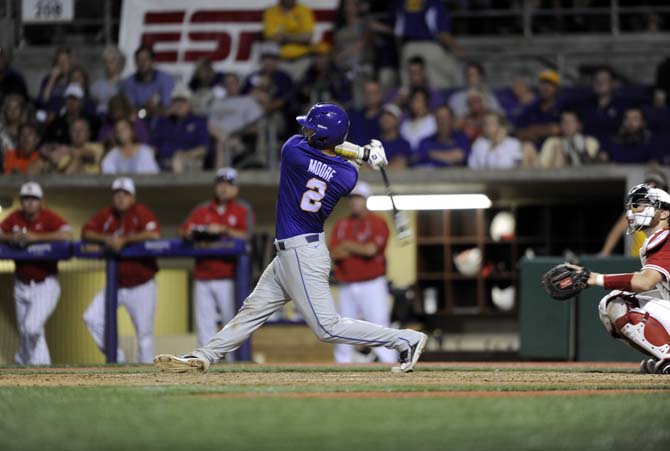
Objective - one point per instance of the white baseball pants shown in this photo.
(35, 302)
(300, 272)
(140, 301)
(214, 299)
(366, 300)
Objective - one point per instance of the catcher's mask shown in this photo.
(642, 203)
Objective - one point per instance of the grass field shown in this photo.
(479, 406)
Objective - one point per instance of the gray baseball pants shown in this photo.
(300, 273)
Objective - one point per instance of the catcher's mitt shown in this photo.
(563, 282)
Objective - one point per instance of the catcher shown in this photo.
(640, 320)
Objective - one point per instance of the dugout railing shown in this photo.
(164, 248)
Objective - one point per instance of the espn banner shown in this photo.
(181, 32)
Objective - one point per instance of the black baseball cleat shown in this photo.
(409, 357)
(648, 366)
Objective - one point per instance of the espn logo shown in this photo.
(185, 36)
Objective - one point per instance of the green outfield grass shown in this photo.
(222, 411)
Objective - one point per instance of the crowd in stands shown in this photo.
(400, 72)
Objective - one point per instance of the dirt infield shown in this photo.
(376, 381)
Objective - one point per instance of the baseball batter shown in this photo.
(314, 177)
(36, 288)
(214, 287)
(357, 245)
(642, 320)
(125, 222)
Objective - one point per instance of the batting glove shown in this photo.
(376, 156)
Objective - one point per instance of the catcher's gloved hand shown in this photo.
(563, 282)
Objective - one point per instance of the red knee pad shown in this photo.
(654, 332)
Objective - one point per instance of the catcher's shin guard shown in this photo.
(638, 327)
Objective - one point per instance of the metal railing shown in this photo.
(154, 248)
(97, 22)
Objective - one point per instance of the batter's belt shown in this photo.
(298, 241)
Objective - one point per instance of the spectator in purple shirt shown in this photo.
(181, 138)
(634, 143)
(424, 28)
(447, 147)
(52, 88)
(601, 114)
(11, 81)
(365, 121)
(118, 107)
(148, 88)
(398, 149)
(541, 119)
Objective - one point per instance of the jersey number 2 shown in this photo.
(311, 199)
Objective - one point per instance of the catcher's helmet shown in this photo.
(329, 122)
(651, 199)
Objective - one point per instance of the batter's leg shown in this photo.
(94, 317)
(140, 301)
(304, 274)
(224, 293)
(267, 297)
(346, 307)
(205, 311)
(372, 299)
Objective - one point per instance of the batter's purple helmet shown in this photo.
(329, 122)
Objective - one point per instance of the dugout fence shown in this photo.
(94, 255)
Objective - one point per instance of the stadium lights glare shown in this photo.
(429, 202)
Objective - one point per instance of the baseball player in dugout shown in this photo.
(214, 287)
(357, 245)
(36, 288)
(125, 222)
(318, 168)
(637, 311)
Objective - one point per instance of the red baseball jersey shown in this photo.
(137, 218)
(367, 229)
(235, 215)
(46, 222)
(655, 254)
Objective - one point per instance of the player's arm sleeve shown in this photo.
(658, 255)
(58, 224)
(148, 221)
